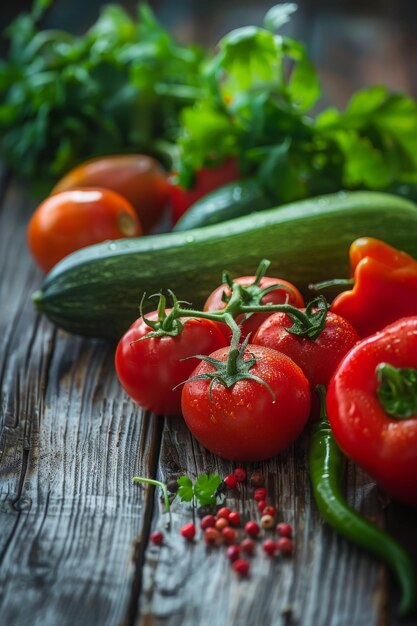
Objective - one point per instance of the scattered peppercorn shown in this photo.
(267, 521)
(247, 545)
(234, 518)
(285, 545)
(231, 481)
(284, 530)
(233, 553)
(252, 529)
(229, 536)
(241, 567)
(157, 537)
(261, 505)
(269, 510)
(223, 512)
(221, 523)
(207, 521)
(188, 531)
(240, 474)
(269, 547)
(257, 479)
(259, 494)
(212, 537)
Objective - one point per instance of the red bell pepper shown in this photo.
(384, 290)
(372, 407)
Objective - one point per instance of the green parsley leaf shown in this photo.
(206, 487)
(185, 489)
(279, 15)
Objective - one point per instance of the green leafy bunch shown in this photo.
(260, 92)
(119, 87)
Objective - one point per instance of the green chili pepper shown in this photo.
(326, 464)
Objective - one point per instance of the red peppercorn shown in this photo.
(234, 518)
(229, 536)
(188, 531)
(267, 521)
(259, 494)
(233, 553)
(212, 537)
(231, 481)
(240, 474)
(269, 547)
(261, 505)
(241, 567)
(207, 521)
(252, 529)
(269, 510)
(223, 512)
(157, 537)
(285, 545)
(257, 479)
(221, 523)
(247, 545)
(284, 529)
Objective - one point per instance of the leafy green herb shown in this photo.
(204, 490)
(118, 88)
(259, 93)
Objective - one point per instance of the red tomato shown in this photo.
(206, 180)
(383, 445)
(318, 358)
(245, 422)
(74, 219)
(150, 369)
(289, 294)
(137, 177)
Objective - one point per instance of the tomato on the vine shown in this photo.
(137, 177)
(286, 293)
(248, 421)
(319, 357)
(150, 367)
(70, 220)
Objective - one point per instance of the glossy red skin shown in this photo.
(244, 423)
(318, 358)
(149, 370)
(206, 180)
(137, 177)
(290, 295)
(386, 448)
(74, 219)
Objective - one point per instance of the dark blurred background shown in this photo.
(354, 43)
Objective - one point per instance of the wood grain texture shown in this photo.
(71, 520)
(326, 582)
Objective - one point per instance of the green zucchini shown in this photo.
(230, 201)
(96, 291)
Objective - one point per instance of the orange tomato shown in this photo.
(73, 219)
(137, 177)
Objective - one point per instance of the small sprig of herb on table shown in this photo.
(204, 490)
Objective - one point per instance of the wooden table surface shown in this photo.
(74, 540)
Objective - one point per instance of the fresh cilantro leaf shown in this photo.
(185, 489)
(205, 488)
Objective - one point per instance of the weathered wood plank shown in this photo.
(70, 444)
(326, 582)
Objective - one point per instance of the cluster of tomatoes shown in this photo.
(110, 198)
(261, 413)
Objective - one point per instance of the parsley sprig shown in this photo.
(203, 490)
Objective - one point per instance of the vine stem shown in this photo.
(157, 483)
